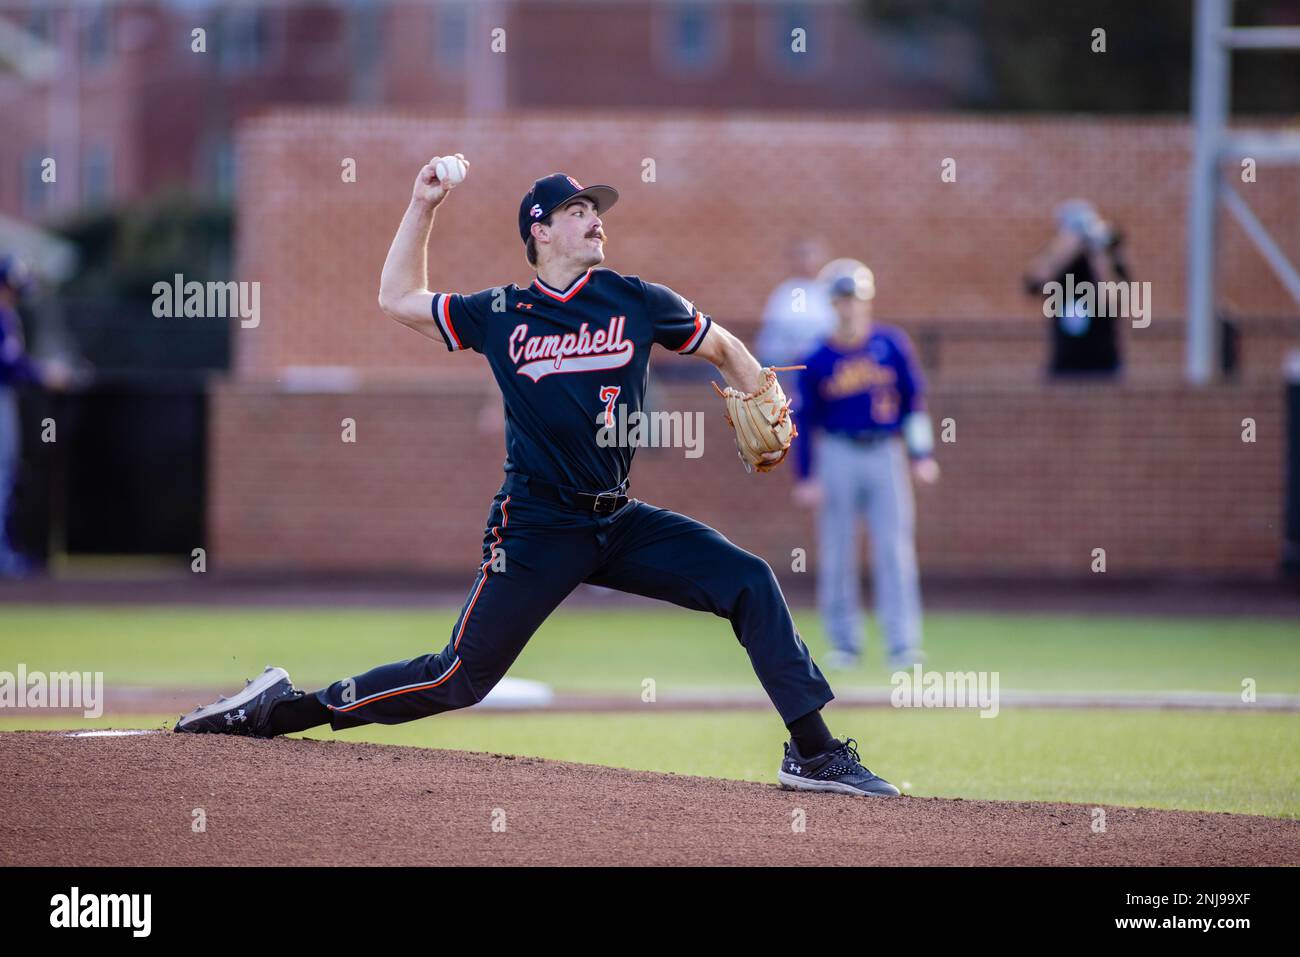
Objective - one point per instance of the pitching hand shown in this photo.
(427, 187)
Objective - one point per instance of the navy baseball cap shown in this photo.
(551, 192)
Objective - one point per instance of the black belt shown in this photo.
(599, 503)
(864, 438)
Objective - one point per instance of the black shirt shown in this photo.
(566, 361)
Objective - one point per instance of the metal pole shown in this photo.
(1210, 92)
(1261, 147)
(1262, 38)
(1257, 234)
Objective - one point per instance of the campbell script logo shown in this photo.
(580, 351)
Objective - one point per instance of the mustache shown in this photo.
(597, 232)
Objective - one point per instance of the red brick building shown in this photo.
(131, 100)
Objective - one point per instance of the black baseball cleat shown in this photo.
(835, 770)
(247, 712)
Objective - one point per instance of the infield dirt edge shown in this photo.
(136, 800)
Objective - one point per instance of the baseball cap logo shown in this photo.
(536, 211)
(573, 182)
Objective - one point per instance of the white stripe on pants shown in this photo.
(873, 483)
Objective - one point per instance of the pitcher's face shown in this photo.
(577, 235)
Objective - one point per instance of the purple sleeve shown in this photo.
(910, 378)
(15, 366)
(807, 418)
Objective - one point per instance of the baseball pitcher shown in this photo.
(566, 350)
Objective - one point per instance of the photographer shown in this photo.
(1085, 251)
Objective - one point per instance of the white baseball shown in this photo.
(450, 170)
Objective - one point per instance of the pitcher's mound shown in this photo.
(174, 799)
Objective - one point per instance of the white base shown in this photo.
(518, 693)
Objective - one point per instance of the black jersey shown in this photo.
(568, 362)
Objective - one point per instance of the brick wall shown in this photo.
(715, 222)
(632, 61)
(1036, 479)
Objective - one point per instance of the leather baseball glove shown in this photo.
(762, 422)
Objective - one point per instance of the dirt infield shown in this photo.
(132, 800)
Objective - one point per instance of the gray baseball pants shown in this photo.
(872, 483)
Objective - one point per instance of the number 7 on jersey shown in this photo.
(608, 394)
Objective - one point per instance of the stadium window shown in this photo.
(776, 46)
(96, 176)
(38, 30)
(40, 24)
(451, 33)
(692, 35)
(36, 192)
(366, 36)
(242, 39)
(96, 36)
(221, 167)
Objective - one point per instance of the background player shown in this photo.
(566, 350)
(16, 369)
(860, 392)
(798, 316)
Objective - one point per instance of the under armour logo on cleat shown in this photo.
(235, 717)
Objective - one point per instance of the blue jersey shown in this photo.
(15, 367)
(566, 361)
(870, 388)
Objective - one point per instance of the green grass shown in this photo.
(613, 650)
(1212, 761)
(1243, 763)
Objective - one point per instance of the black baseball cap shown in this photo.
(551, 192)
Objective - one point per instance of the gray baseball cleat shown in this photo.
(836, 770)
(246, 712)
(906, 659)
(839, 660)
